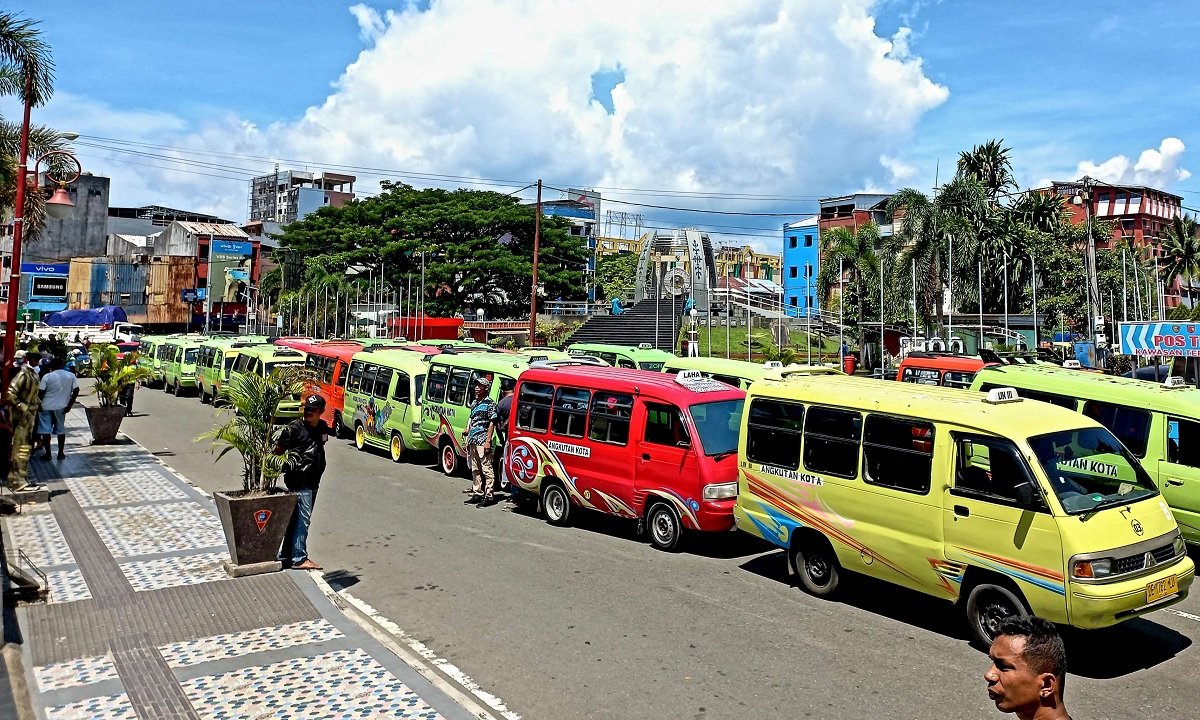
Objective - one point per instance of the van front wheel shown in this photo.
(664, 529)
(449, 458)
(396, 447)
(556, 504)
(987, 606)
(815, 563)
(339, 428)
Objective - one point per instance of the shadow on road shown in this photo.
(341, 579)
(1113, 652)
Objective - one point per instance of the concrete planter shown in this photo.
(105, 422)
(254, 527)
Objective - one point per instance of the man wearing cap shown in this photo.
(480, 426)
(23, 398)
(305, 439)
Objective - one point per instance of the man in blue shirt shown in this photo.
(480, 427)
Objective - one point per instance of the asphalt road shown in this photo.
(590, 622)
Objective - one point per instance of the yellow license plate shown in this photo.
(1160, 589)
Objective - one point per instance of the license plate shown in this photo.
(1160, 589)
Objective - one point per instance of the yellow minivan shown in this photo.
(1158, 422)
(999, 504)
(741, 373)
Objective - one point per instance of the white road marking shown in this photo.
(1183, 614)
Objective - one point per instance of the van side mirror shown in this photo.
(1025, 494)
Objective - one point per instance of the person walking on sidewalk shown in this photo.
(480, 426)
(59, 390)
(23, 399)
(305, 438)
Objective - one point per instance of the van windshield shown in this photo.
(718, 424)
(651, 366)
(189, 356)
(1089, 469)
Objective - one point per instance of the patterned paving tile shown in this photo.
(150, 529)
(131, 486)
(40, 537)
(67, 586)
(220, 647)
(172, 571)
(343, 684)
(84, 671)
(109, 707)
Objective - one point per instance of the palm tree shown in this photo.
(843, 248)
(990, 165)
(1182, 253)
(26, 70)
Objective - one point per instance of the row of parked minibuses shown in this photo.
(1040, 489)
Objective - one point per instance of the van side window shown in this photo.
(609, 421)
(570, 411)
(435, 391)
(831, 441)
(957, 379)
(609, 358)
(988, 468)
(456, 388)
(402, 393)
(664, 426)
(1183, 442)
(773, 433)
(921, 376)
(728, 380)
(898, 453)
(367, 384)
(341, 374)
(313, 364)
(626, 363)
(383, 382)
(355, 381)
(239, 365)
(1132, 427)
(533, 407)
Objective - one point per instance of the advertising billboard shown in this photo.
(229, 270)
(48, 287)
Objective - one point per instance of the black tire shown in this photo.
(339, 428)
(987, 605)
(447, 458)
(360, 436)
(205, 398)
(178, 390)
(396, 447)
(556, 504)
(166, 387)
(816, 565)
(663, 527)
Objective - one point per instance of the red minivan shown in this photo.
(939, 368)
(649, 446)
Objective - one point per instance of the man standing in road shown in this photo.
(305, 438)
(59, 390)
(480, 426)
(503, 412)
(23, 399)
(1029, 668)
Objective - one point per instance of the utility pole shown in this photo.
(1095, 314)
(537, 231)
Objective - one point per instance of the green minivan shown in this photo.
(383, 400)
(1159, 423)
(447, 400)
(179, 365)
(641, 357)
(148, 358)
(216, 360)
(266, 359)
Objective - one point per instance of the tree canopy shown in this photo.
(476, 248)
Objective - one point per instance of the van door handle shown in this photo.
(645, 456)
(962, 511)
(1174, 481)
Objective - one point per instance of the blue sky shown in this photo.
(1062, 84)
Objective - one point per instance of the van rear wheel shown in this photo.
(664, 527)
(360, 436)
(339, 428)
(449, 458)
(556, 504)
(178, 389)
(815, 563)
(987, 606)
(396, 447)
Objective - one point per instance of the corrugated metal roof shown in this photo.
(138, 240)
(219, 230)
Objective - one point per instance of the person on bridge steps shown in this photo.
(305, 438)
(480, 427)
(24, 400)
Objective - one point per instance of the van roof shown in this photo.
(939, 404)
(943, 361)
(724, 366)
(226, 341)
(401, 359)
(634, 351)
(1093, 386)
(658, 384)
(274, 352)
(506, 363)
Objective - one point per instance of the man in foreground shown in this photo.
(480, 426)
(1029, 668)
(59, 388)
(305, 438)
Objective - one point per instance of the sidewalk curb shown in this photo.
(442, 674)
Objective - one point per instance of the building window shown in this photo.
(793, 301)
(793, 272)
(808, 240)
(792, 241)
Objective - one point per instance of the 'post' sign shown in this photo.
(1168, 339)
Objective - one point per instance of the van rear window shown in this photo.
(898, 453)
(436, 389)
(773, 433)
(609, 421)
(533, 407)
(831, 441)
(570, 411)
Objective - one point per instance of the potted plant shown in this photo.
(255, 518)
(114, 374)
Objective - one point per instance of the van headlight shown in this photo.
(1093, 569)
(1179, 545)
(720, 491)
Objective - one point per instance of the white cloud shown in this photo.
(1158, 168)
(792, 97)
(901, 172)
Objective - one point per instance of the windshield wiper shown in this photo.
(725, 454)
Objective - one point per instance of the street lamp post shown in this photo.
(1084, 198)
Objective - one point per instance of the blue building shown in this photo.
(801, 264)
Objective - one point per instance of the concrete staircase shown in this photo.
(636, 325)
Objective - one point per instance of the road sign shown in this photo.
(1167, 339)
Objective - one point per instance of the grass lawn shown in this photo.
(737, 343)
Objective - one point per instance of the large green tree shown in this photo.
(1181, 254)
(616, 276)
(476, 249)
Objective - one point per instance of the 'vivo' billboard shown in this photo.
(57, 269)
